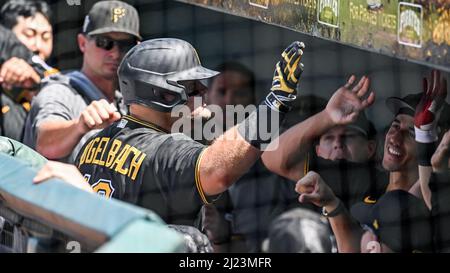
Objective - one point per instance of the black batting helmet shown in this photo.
(153, 72)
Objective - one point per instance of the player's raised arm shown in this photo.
(287, 155)
(426, 121)
(232, 154)
(314, 190)
(145, 156)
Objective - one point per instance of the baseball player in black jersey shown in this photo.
(138, 160)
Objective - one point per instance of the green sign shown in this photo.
(410, 24)
(328, 12)
(417, 30)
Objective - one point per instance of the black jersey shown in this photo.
(140, 163)
(440, 209)
(350, 181)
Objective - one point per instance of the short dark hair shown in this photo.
(12, 9)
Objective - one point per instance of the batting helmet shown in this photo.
(153, 73)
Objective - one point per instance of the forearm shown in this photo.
(424, 179)
(425, 150)
(313, 189)
(287, 154)
(441, 158)
(56, 139)
(231, 155)
(227, 159)
(347, 231)
(440, 192)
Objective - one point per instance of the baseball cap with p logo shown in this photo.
(112, 16)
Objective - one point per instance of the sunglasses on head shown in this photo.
(107, 43)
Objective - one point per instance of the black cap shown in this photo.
(362, 211)
(407, 105)
(402, 222)
(112, 16)
(364, 126)
(308, 105)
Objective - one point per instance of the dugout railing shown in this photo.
(57, 217)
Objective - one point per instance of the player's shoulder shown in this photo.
(151, 140)
(146, 136)
(144, 131)
(55, 91)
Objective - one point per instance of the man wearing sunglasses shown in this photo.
(70, 108)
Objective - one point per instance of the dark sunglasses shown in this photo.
(107, 43)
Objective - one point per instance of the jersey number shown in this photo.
(102, 187)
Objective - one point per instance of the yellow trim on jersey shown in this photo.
(198, 184)
(306, 165)
(147, 124)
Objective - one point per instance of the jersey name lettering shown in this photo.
(114, 156)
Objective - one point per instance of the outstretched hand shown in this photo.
(288, 70)
(430, 107)
(346, 103)
(286, 78)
